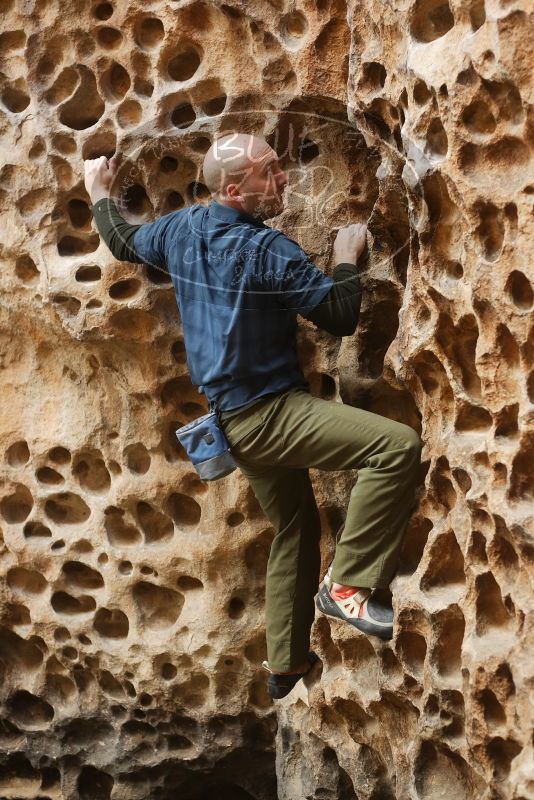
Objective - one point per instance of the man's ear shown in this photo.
(233, 192)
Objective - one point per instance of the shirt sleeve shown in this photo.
(339, 311)
(152, 239)
(114, 230)
(297, 283)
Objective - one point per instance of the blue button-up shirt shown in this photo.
(239, 286)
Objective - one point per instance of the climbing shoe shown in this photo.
(280, 685)
(360, 607)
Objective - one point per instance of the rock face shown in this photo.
(132, 593)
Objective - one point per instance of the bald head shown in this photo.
(242, 171)
(231, 158)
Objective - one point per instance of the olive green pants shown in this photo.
(274, 442)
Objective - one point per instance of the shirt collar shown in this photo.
(228, 214)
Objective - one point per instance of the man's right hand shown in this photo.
(350, 243)
(99, 174)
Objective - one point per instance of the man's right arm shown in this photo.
(115, 231)
(144, 243)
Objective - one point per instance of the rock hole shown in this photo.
(157, 275)
(501, 753)
(149, 32)
(197, 192)
(201, 144)
(80, 576)
(413, 545)
(447, 653)
(111, 623)
(17, 506)
(168, 671)
(158, 606)
(29, 711)
(494, 713)
(412, 650)
(308, 150)
(110, 685)
(437, 142)
(75, 246)
(439, 771)
(115, 82)
(430, 20)
(26, 581)
(184, 510)
(59, 455)
(36, 530)
(156, 526)
(26, 270)
(137, 202)
(108, 38)
(173, 202)
(490, 230)
(64, 144)
(478, 118)
(421, 93)
(15, 96)
(129, 113)
(63, 86)
(137, 458)
(88, 274)
(79, 213)
(235, 519)
(184, 64)
(477, 14)
(183, 115)
(125, 289)
(94, 784)
(67, 508)
(506, 420)
(49, 476)
(91, 472)
(103, 11)
(373, 75)
(521, 473)
(188, 584)
(490, 609)
(18, 454)
(236, 608)
(85, 107)
(168, 164)
(507, 99)
(519, 289)
(119, 532)
(64, 603)
(215, 106)
(101, 143)
(472, 419)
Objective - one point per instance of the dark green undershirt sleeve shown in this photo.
(114, 230)
(339, 311)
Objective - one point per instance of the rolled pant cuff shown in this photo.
(281, 663)
(361, 579)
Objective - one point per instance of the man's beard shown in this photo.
(269, 207)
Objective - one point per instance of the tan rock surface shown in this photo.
(132, 593)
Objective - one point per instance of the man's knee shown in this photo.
(412, 443)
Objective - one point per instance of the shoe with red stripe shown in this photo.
(357, 606)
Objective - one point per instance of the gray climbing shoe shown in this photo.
(362, 609)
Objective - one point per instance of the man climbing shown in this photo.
(239, 286)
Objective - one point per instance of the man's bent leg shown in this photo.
(286, 496)
(300, 431)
